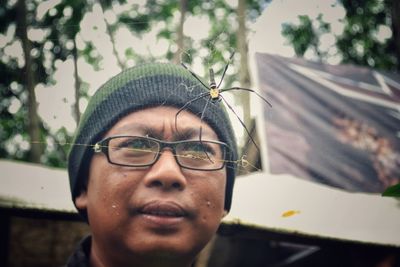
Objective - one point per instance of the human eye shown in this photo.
(132, 151)
(134, 146)
(198, 149)
(200, 155)
(138, 144)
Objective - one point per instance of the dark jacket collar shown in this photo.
(81, 255)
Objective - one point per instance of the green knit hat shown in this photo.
(137, 88)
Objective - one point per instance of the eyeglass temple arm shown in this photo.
(97, 148)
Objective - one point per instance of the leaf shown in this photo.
(290, 213)
(138, 24)
(392, 191)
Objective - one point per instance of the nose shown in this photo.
(166, 174)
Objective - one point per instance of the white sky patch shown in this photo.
(110, 16)
(14, 106)
(55, 102)
(93, 25)
(14, 50)
(37, 35)
(93, 28)
(44, 7)
(126, 40)
(198, 66)
(8, 37)
(232, 3)
(138, 2)
(384, 32)
(95, 78)
(147, 44)
(327, 41)
(239, 130)
(196, 27)
(3, 40)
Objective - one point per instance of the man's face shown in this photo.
(161, 210)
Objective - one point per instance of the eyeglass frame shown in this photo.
(103, 147)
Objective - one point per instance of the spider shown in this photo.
(215, 95)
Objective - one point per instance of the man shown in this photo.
(152, 180)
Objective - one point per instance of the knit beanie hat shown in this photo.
(141, 87)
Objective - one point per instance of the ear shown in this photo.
(81, 200)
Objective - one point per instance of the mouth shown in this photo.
(163, 213)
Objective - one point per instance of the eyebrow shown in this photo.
(185, 134)
(180, 134)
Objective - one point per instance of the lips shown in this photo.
(163, 209)
(164, 216)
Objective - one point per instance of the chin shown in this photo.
(168, 248)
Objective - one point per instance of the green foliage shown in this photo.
(255, 8)
(11, 126)
(6, 15)
(358, 43)
(305, 36)
(138, 24)
(392, 191)
(302, 36)
(56, 155)
(218, 44)
(91, 56)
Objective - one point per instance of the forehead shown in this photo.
(163, 122)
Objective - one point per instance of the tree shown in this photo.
(360, 42)
(60, 28)
(305, 35)
(180, 38)
(244, 74)
(29, 81)
(396, 29)
(19, 119)
(22, 130)
(110, 31)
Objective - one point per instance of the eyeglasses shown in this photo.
(139, 151)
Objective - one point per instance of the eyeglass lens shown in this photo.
(142, 151)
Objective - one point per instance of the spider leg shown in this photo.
(249, 90)
(226, 68)
(187, 104)
(241, 122)
(201, 128)
(194, 75)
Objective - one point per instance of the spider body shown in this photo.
(214, 94)
(214, 90)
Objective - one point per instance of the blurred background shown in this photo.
(55, 54)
